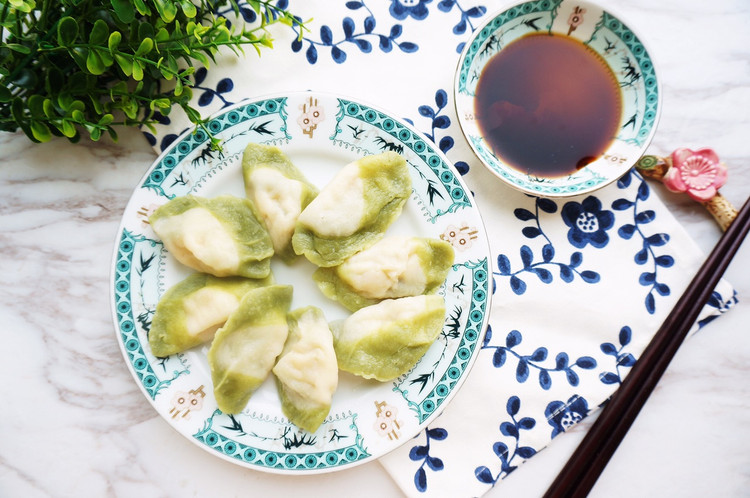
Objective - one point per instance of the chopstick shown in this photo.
(583, 468)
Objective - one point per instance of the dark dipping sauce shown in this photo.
(548, 105)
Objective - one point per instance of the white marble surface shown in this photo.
(74, 422)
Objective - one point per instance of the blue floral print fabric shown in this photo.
(580, 284)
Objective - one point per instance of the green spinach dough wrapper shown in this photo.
(245, 349)
(391, 268)
(221, 236)
(387, 339)
(279, 192)
(191, 311)
(306, 372)
(354, 210)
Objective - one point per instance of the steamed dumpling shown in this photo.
(220, 236)
(191, 311)
(393, 267)
(279, 191)
(245, 349)
(385, 340)
(306, 372)
(353, 211)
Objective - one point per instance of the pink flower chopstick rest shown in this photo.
(698, 173)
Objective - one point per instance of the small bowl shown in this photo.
(607, 36)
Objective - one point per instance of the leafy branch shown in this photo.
(71, 66)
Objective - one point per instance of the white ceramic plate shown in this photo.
(320, 133)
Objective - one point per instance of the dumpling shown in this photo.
(385, 340)
(279, 191)
(220, 236)
(191, 311)
(353, 210)
(306, 372)
(391, 268)
(245, 349)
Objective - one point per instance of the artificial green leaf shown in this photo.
(68, 129)
(137, 70)
(5, 94)
(77, 105)
(125, 63)
(94, 63)
(161, 103)
(146, 46)
(124, 10)
(188, 8)
(16, 110)
(54, 81)
(106, 57)
(80, 54)
(64, 101)
(165, 72)
(41, 131)
(114, 40)
(67, 31)
(49, 108)
(131, 110)
(222, 35)
(25, 6)
(106, 120)
(17, 47)
(96, 104)
(27, 131)
(145, 30)
(167, 9)
(99, 33)
(161, 36)
(26, 78)
(142, 8)
(202, 58)
(35, 103)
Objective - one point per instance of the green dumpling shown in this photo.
(353, 211)
(220, 236)
(385, 340)
(306, 371)
(245, 349)
(393, 267)
(279, 192)
(191, 311)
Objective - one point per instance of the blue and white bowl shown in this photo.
(609, 37)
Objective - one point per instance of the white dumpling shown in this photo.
(353, 210)
(306, 371)
(393, 267)
(191, 311)
(385, 340)
(220, 236)
(279, 192)
(245, 349)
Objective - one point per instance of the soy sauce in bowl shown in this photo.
(548, 105)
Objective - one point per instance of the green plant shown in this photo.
(73, 66)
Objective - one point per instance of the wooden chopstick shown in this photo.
(583, 468)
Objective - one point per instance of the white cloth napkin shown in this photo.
(574, 303)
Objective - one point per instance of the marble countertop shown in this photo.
(75, 423)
